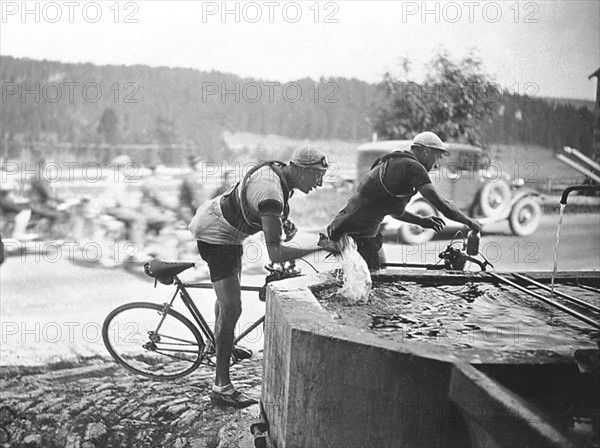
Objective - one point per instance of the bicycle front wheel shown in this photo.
(151, 341)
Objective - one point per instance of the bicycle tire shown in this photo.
(149, 357)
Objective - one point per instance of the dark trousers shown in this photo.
(370, 248)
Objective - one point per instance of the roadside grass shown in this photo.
(575, 204)
(536, 165)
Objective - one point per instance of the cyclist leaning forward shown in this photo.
(386, 190)
(258, 202)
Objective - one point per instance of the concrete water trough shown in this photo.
(435, 359)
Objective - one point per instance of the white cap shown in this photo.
(429, 140)
(310, 157)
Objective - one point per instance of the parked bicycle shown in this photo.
(159, 342)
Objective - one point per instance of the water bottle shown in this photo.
(472, 243)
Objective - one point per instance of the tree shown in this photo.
(453, 101)
(108, 127)
(165, 130)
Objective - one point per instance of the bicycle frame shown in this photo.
(197, 315)
(454, 259)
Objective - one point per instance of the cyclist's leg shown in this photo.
(371, 249)
(229, 309)
(217, 302)
(380, 252)
(225, 265)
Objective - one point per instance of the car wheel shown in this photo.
(411, 233)
(494, 198)
(525, 216)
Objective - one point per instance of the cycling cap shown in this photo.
(310, 157)
(429, 140)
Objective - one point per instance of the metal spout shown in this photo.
(565, 193)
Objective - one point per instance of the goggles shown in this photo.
(322, 163)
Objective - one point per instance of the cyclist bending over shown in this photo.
(258, 202)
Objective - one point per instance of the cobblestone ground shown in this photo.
(105, 406)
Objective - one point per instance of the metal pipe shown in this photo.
(566, 191)
(210, 286)
(585, 159)
(578, 167)
(249, 330)
(567, 310)
(579, 302)
(412, 265)
(589, 288)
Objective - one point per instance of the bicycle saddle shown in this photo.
(164, 271)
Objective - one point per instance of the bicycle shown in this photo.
(171, 345)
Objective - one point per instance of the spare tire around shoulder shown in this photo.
(494, 199)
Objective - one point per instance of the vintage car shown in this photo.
(470, 180)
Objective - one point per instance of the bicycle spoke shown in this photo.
(157, 350)
(177, 339)
(130, 335)
(176, 344)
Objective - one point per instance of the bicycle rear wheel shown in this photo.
(150, 341)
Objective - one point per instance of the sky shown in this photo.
(540, 48)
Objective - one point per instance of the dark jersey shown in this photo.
(385, 190)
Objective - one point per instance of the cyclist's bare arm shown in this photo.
(427, 222)
(278, 252)
(448, 209)
(409, 217)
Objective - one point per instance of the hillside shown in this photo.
(85, 104)
(140, 104)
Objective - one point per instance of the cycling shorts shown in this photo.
(224, 260)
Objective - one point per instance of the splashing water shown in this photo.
(562, 209)
(357, 279)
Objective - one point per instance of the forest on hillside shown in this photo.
(54, 102)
